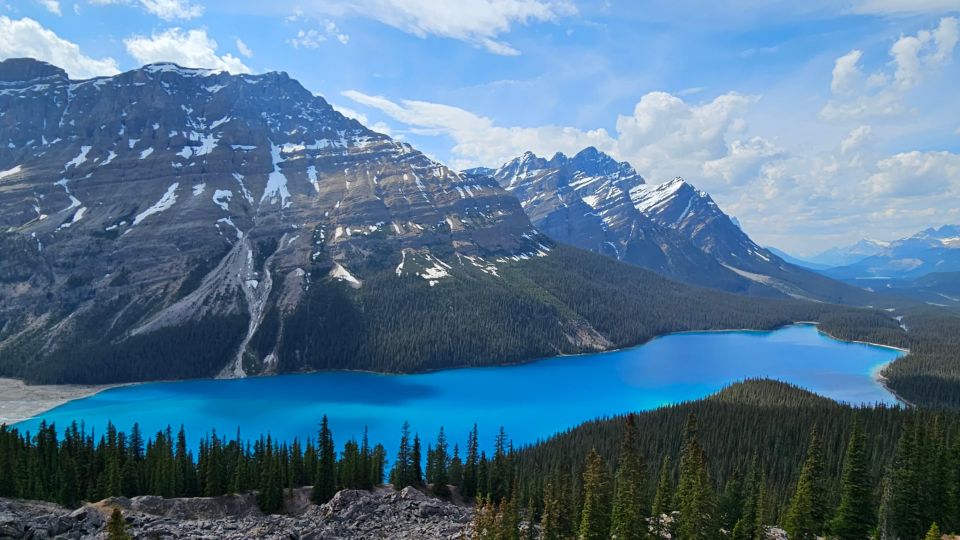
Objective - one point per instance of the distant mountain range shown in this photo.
(169, 222)
(597, 203)
(930, 250)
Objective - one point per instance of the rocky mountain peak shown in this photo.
(196, 193)
(28, 69)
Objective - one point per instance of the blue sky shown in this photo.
(815, 123)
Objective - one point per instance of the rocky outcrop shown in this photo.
(382, 514)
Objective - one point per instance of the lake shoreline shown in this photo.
(20, 401)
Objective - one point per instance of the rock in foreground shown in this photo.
(383, 513)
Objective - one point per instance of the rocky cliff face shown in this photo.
(383, 513)
(585, 200)
(166, 197)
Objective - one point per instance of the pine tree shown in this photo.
(629, 506)
(439, 476)
(807, 508)
(854, 517)
(402, 474)
(661, 500)
(903, 508)
(470, 475)
(694, 497)
(325, 484)
(933, 533)
(595, 515)
(550, 520)
(416, 460)
(456, 468)
(117, 526)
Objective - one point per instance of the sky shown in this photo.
(815, 123)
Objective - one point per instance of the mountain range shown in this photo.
(930, 250)
(170, 222)
(597, 203)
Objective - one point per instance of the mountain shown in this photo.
(693, 214)
(170, 222)
(930, 250)
(597, 203)
(795, 260)
(847, 255)
(584, 201)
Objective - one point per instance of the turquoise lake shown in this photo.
(532, 401)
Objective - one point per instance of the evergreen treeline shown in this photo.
(930, 375)
(76, 466)
(757, 454)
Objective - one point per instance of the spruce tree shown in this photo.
(903, 508)
(694, 497)
(470, 473)
(629, 503)
(325, 484)
(440, 478)
(661, 500)
(807, 506)
(854, 518)
(933, 533)
(595, 515)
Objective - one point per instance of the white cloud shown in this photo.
(477, 140)
(847, 73)
(664, 136)
(53, 6)
(744, 160)
(912, 174)
(312, 38)
(857, 138)
(881, 94)
(478, 22)
(168, 10)
(192, 48)
(171, 10)
(244, 49)
(27, 38)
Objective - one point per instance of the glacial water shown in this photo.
(532, 401)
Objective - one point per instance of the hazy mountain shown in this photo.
(846, 255)
(795, 260)
(931, 250)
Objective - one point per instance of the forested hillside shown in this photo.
(570, 301)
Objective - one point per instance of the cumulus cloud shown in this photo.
(191, 48)
(53, 6)
(478, 22)
(847, 73)
(28, 38)
(666, 132)
(913, 57)
(168, 10)
(912, 174)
